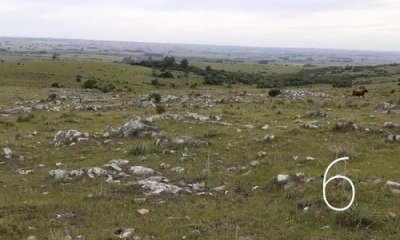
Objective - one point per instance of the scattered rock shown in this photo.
(125, 233)
(310, 125)
(140, 200)
(391, 215)
(24, 172)
(195, 232)
(393, 138)
(136, 128)
(219, 189)
(261, 154)
(19, 110)
(96, 172)
(58, 174)
(254, 163)
(139, 170)
(269, 138)
(143, 211)
(391, 125)
(392, 184)
(7, 153)
(282, 178)
(157, 185)
(178, 169)
(70, 136)
(317, 113)
(386, 106)
(265, 127)
(396, 191)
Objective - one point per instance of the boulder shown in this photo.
(58, 174)
(7, 153)
(136, 128)
(139, 170)
(282, 178)
(64, 137)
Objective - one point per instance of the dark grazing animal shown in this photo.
(359, 92)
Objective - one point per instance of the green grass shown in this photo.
(250, 68)
(29, 203)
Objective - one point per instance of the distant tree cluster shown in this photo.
(337, 76)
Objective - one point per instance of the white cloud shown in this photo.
(373, 26)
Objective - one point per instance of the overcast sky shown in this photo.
(348, 24)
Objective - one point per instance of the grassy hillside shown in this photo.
(233, 151)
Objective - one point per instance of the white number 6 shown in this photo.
(325, 182)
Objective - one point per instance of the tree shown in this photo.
(55, 56)
(169, 62)
(184, 63)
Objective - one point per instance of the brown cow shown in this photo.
(359, 92)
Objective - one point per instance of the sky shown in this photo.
(339, 24)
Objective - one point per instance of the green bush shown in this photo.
(156, 97)
(26, 118)
(56, 85)
(90, 84)
(160, 109)
(78, 78)
(166, 74)
(274, 92)
(52, 96)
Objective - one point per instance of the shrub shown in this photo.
(89, 84)
(345, 126)
(156, 97)
(160, 109)
(274, 92)
(26, 118)
(107, 88)
(78, 78)
(52, 96)
(157, 83)
(138, 150)
(56, 85)
(166, 74)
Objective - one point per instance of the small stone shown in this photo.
(195, 232)
(396, 191)
(140, 200)
(261, 153)
(24, 172)
(7, 153)
(178, 169)
(255, 188)
(289, 185)
(31, 238)
(254, 163)
(139, 170)
(265, 127)
(58, 174)
(164, 166)
(282, 178)
(309, 158)
(219, 189)
(269, 138)
(392, 184)
(391, 215)
(143, 211)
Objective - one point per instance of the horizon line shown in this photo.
(201, 44)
